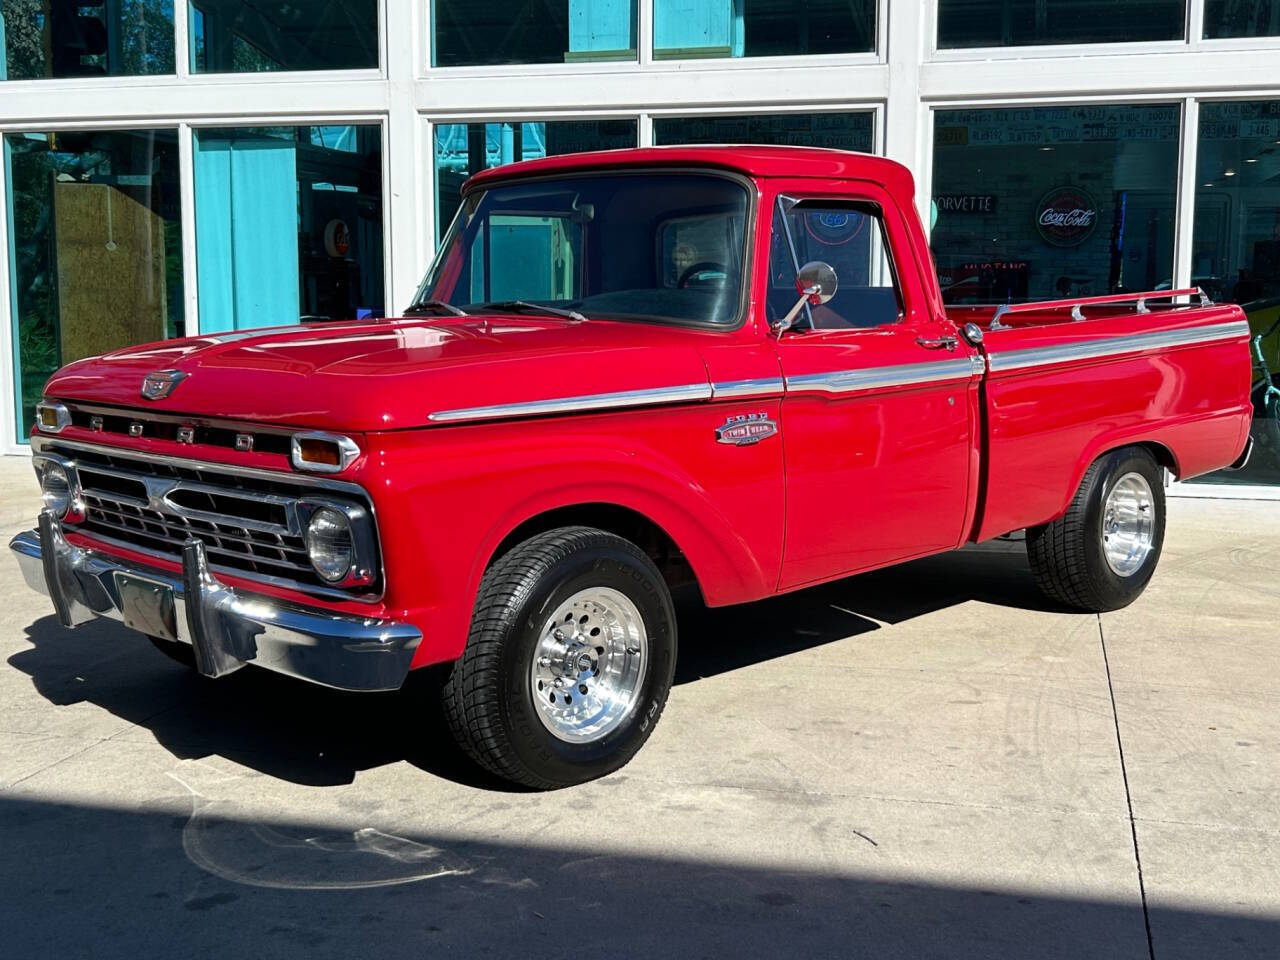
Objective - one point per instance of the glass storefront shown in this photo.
(843, 131)
(261, 192)
(1047, 202)
(1035, 194)
(1236, 246)
(1015, 23)
(240, 36)
(95, 258)
(686, 29)
(60, 38)
(462, 149)
(480, 32)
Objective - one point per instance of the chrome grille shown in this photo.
(248, 522)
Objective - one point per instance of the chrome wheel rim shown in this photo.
(589, 665)
(1128, 524)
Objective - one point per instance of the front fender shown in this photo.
(447, 498)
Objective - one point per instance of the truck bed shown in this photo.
(1067, 380)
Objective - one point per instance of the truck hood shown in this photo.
(388, 374)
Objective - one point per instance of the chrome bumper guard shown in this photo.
(225, 629)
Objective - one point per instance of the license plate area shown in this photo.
(147, 605)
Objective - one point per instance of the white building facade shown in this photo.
(178, 167)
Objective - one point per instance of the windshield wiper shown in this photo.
(515, 306)
(426, 306)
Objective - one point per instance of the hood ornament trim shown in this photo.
(161, 383)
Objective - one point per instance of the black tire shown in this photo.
(488, 698)
(1067, 556)
(182, 653)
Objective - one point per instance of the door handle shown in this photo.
(937, 343)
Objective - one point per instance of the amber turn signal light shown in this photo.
(319, 451)
(323, 452)
(52, 417)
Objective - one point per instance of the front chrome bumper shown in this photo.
(225, 629)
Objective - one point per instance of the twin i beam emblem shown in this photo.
(744, 429)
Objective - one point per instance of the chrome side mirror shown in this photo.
(817, 284)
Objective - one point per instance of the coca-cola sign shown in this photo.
(1066, 216)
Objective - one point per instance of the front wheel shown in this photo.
(1101, 553)
(569, 661)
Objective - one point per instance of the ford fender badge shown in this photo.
(744, 429)
(158, 385)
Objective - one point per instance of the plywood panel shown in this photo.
(110, 262)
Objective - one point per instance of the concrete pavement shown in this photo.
(928, 761)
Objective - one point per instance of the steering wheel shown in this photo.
(703, 266)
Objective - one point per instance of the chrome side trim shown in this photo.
(1114, 346)
(873, 378)
(589, 402)
(737, 389)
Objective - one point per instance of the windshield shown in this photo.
(662, 247)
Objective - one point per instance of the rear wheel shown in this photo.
(569, 660)
(1102, 552)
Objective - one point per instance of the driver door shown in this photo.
(880, 408)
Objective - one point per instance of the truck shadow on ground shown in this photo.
(311, 735)
(206, 879)
(714, 641)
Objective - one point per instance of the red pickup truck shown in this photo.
(624, 370)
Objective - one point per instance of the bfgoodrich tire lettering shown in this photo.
(1068, 556)
(488, 698)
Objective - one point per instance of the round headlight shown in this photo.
(55, 490)
(329, 544)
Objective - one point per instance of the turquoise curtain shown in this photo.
(600, 26)
(713, 26)
(246, 232)
(4, 63)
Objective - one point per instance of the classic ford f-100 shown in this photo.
(724, 366)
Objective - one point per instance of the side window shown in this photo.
(850, 237)
(528, 257)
